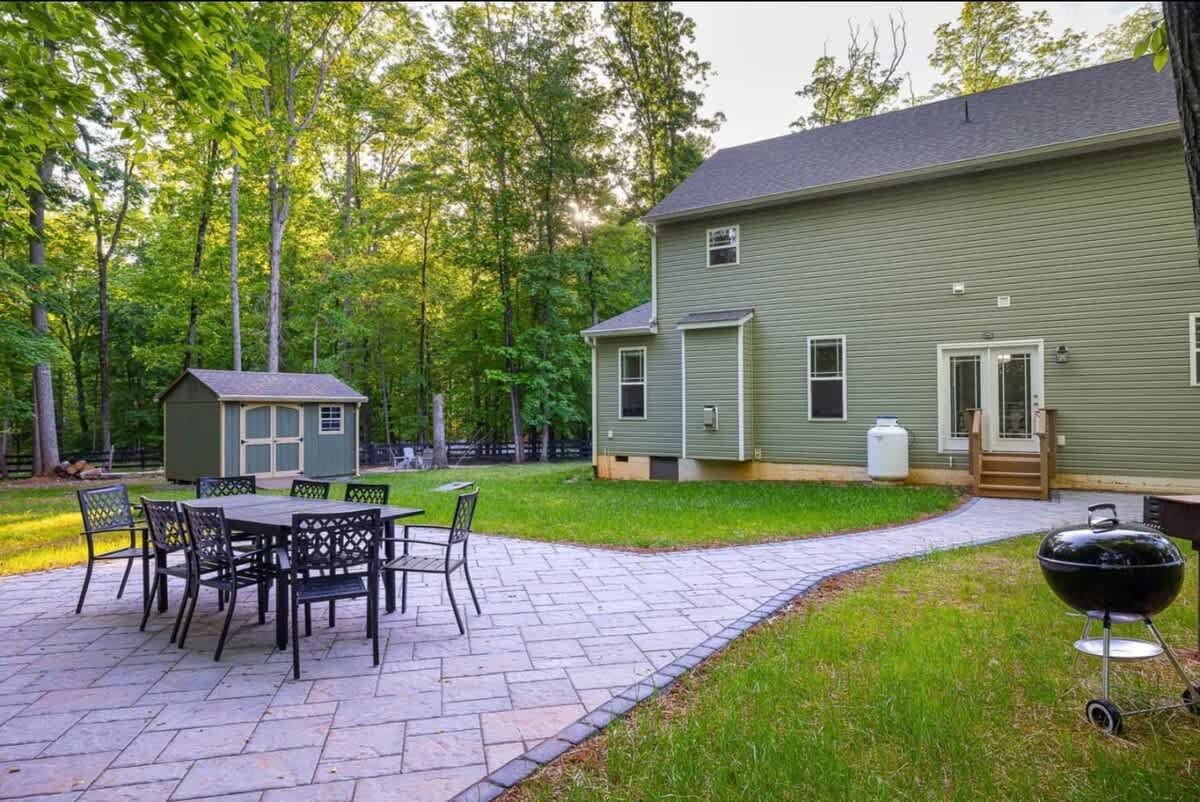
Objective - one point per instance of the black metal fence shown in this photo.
(20, 466)
(467, 453)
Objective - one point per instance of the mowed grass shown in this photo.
(943, 678)
(39, 525)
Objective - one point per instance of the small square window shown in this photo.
(723, 246)
(331, 420)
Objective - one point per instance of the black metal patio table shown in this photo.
(271, 517)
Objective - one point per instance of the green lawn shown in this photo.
(947, 677)
(39, 525)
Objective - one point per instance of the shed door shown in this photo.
(272, 444)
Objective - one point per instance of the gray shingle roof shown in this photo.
(1085, 104)
(713, 318)
(255, 386)
(633, 321)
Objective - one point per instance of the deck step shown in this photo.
(1009, 491)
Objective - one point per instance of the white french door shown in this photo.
(1004, 379)
(272, 441)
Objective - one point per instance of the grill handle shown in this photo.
(1102, 523)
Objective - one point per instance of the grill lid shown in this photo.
(1105, 542)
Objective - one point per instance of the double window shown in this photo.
(331, 419)
(632, 362)
(723, 247)
(827, 378)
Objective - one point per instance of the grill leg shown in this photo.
(1107, 639)
(1174, 660)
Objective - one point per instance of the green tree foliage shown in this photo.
(993, 44)
(866, 84)
(1119, 40)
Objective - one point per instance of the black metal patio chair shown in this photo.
(458, 532)
(340, 546)
(219, 486)
(215, 564)
(106, 510)
(367, 493)
(308, 488)
(168, 535)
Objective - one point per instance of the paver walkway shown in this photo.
(92, 709)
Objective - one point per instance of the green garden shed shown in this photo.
(229, 423)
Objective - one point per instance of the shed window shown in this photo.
(331, 420)
(633, 382)
(827, 378)
(723, 247)
(1194, 346)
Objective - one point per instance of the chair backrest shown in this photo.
(208, 534)
(105, 508)
(212, 486)
(167, 527)
(1152, 512)
(409, 453)
(335, 540)
(464, 515)
(307, 488)
(363, 493)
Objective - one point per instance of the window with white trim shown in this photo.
(1194, 346)
(632, 383)
(331, 420)
(827, 378)
(723, 246)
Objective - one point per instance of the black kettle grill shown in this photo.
(1122, 573)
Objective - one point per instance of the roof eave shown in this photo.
(1133, 136)
(277, 399)
(718, 324)
(627, 331)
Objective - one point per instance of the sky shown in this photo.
(762, 53)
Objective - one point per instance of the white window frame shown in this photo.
(841, 339)
(1193, 347)
(737, 246)
(621, 384)
(341, 418)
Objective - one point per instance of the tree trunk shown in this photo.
(278, 197)
(387, 409)
(316, 333)
(1183, 42)
(105, 399)
(36, 469)
(4, 429)
(423, 324)
(45, 429)
(440, 459)
(235, 302)
(206, 197)
(80, 397)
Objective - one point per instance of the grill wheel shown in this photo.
(1104, 715)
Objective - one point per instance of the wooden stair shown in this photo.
(1008, 475)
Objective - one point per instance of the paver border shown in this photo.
(495, 783)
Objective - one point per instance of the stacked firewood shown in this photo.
(79, 469)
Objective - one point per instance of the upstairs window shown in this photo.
(633, 383)
(723, 248)
(827, 378)
(331, 420)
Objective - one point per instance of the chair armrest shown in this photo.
(440, 544)
(282, 559)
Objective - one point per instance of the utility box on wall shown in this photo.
(717, 385)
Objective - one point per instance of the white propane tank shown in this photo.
(887, 450)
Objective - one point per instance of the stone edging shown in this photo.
(591, 724)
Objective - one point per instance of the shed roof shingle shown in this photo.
(638, 319)
(253, 385)
(1086, 104)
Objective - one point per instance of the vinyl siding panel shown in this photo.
(233, 439)
(192, 428)
(1097, 253)
(658, 435)
(712, 364)
(329, 454)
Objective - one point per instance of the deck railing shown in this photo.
(1047, 426)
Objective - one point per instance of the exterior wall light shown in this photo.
(1062, 354)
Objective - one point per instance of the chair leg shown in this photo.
(228, 618)
(471, 587)
(307, 620)
(191, 602)
(149, 601)
(454, 606)
(125, 578)
(332, 613)
(87, 578)
(403, 592)
(373, 619)
(295, 639)
(187, 594)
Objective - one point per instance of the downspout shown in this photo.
(591, 341)
(653, 275)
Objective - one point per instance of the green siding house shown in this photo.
(1013, 274)
(229, 423)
